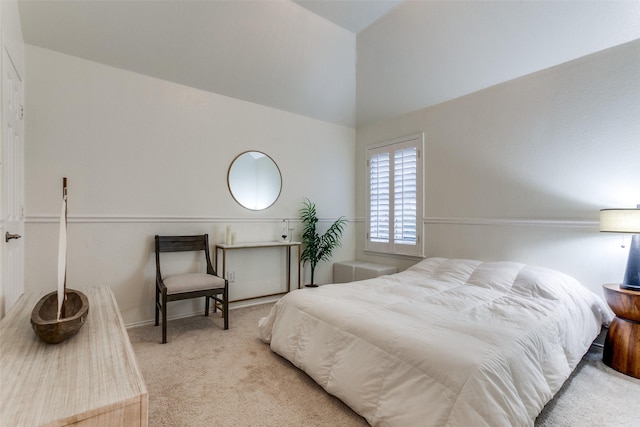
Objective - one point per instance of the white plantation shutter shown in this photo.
(395, 196)
(379, 201)
(405, 197)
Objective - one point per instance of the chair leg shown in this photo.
(226, 307)
(157, 306)
(164, 317)
(206, 305)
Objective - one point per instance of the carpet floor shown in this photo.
(205, 376)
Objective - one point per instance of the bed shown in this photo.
(444, 343)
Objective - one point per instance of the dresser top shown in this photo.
(91, 373)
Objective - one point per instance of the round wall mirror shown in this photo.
(254, 180)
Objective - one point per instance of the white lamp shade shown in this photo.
(620, 220)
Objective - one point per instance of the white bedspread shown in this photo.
(446, 342)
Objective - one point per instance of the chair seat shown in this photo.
(190, 282)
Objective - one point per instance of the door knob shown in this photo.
(8, 236)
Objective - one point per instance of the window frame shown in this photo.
(390, 246)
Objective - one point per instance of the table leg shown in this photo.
(288, 268)
(299, 261)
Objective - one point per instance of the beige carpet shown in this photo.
(205, 376)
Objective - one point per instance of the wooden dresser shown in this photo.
(91, 379)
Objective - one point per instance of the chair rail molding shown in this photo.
(124, 219)
(541, 222)
(157, 219)
(564, 223)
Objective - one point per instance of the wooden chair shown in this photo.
(189, 285)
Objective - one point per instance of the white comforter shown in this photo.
(446, 342)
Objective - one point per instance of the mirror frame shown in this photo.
(229, 176)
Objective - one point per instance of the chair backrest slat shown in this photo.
(181, 243)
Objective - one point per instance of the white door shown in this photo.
(13, 183)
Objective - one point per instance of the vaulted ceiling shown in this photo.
(345, 62)
(352, 15)
(273, 53)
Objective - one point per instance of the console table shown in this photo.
(92, 379)
(260, 245)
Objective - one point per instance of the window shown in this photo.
(394, 218)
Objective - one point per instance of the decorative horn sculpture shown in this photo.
(59, 315)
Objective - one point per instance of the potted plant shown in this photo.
(318, 247)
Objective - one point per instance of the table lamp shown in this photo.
(626, 221)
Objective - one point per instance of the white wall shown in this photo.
(145, 156)
(520, 170)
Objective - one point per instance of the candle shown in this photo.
(227, 239)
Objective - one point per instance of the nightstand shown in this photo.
(622, 345)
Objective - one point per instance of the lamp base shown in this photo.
(632, 273)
